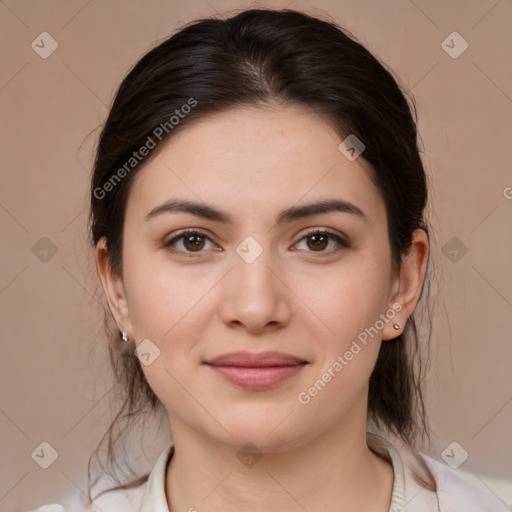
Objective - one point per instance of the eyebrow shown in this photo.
(288, 215)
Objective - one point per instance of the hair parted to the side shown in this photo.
(260, 58)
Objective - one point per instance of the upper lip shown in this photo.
(260, 359)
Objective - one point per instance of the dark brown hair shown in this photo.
(263, 57)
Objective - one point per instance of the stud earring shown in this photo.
(396, 326)
(125, 337)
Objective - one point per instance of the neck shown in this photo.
(334, 471)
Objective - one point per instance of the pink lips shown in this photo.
(256, 371)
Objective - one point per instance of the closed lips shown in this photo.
(256, 360)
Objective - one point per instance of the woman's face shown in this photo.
(258, 281)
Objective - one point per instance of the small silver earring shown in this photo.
(396, 326)
(125, 337)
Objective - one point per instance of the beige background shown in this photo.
(55, 378)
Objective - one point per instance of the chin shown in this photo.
(268, 433)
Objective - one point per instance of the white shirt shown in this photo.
(455, 491)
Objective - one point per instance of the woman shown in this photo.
(257, 211)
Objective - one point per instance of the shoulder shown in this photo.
(127, 500)
(455, 490)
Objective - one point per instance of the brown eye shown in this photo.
(318, 241)
(195, 241)
(191, 241)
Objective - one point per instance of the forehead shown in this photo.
(249, 159)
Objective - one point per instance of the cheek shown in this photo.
(345, 299)
(171, 306)
(348, 303)
(349, 306)
(166, 300)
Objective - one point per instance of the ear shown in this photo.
(408, 283)
(113, 287)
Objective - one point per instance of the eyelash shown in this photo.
(333, 236)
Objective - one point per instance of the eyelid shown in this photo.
(329, 231)
(183, 232)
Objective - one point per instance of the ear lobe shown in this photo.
(408, 283)
(113, 288)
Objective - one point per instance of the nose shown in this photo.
(254, 295)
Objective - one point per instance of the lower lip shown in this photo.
(257, 378)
